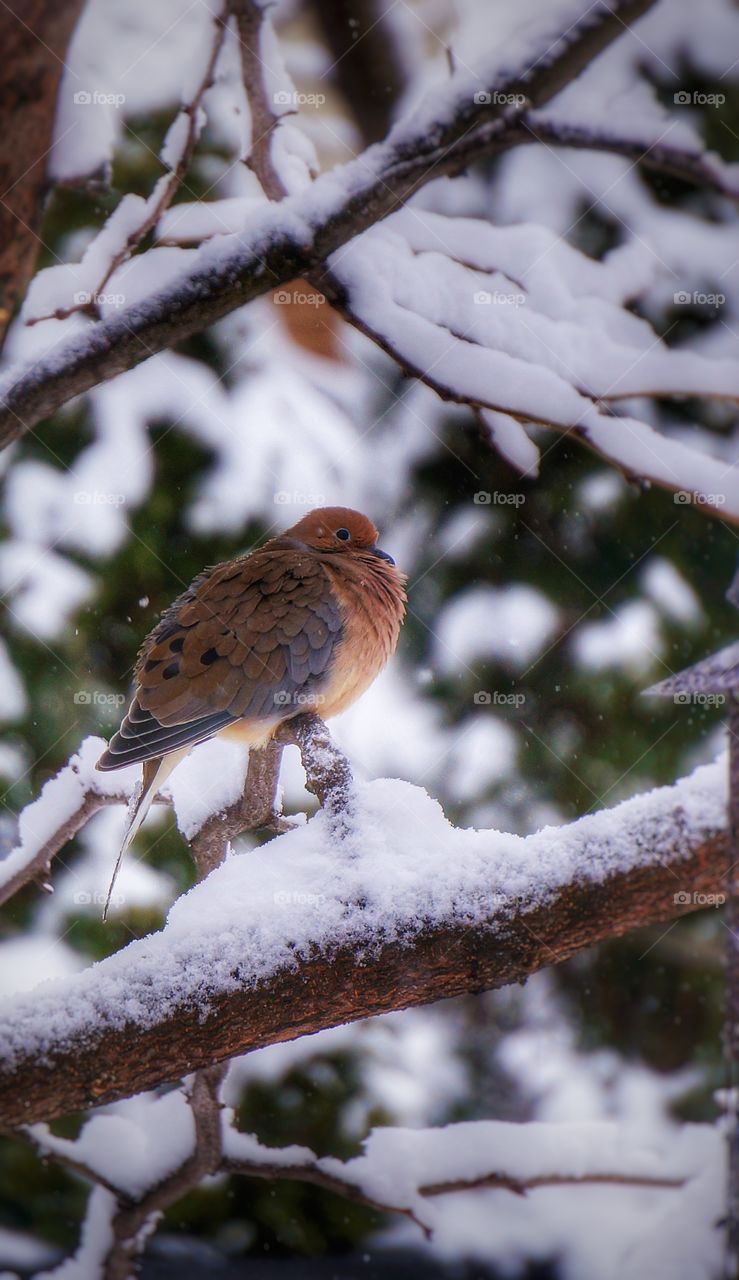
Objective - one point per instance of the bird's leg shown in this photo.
(328, 772)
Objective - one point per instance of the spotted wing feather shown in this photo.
(241, 642)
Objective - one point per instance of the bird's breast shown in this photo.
(371, 599)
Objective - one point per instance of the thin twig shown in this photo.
(250, 18)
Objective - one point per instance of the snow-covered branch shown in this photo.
(310, 931)
(125, 1206)
(697, 167)
(472, 118)
(247, 803)
(173, 1141)
(134, 217)
(518, 321)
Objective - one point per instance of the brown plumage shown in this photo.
(304, 623)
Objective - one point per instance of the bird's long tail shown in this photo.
(155, 773)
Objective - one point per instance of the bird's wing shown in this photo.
(241, 642)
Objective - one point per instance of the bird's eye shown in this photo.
(343, 534)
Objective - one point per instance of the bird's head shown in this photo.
(337, 529)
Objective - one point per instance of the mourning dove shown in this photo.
(305, 623)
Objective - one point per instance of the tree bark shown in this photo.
(367, 67)
(34, 35)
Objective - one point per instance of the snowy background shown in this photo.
(545, 591)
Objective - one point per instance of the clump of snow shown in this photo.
(187, 223)
(13, 700)
(134, 1145)
(45, 588)
(508, 624)
(97, 1240)
(207, 781)
(484, 752)
(399, 1166)
(602, 491)
(23, 1251)
(670, 591)
(26, 962)
(510, 439)
(631, 639)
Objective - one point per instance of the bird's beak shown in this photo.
(382, 555)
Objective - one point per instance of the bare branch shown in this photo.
(328, 772)
(250, 18)
(134, 1220)
(519, 1186)
(314, 1174)
(307, 228)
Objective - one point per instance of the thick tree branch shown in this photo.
(673, 863)
(367, 66)
(298, 235)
